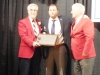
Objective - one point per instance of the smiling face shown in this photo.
(32, 11)
(53, 11)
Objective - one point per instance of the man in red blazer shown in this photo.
(82, 45)
(29, 50)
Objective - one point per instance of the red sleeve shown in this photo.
(88, 30)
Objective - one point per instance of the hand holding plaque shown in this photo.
(49, 39)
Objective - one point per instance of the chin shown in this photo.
(33, 17)
(73, 16)
(53, 17)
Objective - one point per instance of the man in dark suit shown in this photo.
(29, 50)
(58, 54)
(82, 45)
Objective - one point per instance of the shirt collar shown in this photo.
(78, 19)
(54, 19)
(30, 19)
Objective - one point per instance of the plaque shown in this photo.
(47, 39)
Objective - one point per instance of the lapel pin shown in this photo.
(60, 19)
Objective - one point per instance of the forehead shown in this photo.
(75, 8)
(52, 7)
(32, 7)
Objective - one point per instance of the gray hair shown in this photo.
(80, 7)
(32, 5)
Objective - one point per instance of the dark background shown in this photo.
(11, 11)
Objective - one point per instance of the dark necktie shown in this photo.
(53, 27)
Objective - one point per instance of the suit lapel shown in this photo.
(29, 25)
(61, 22)
(72, 27)
(78, 25)
(47, 25)
(39, 25)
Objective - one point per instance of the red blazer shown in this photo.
(82, 37)
(27, 36)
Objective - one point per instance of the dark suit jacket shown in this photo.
(65, 28)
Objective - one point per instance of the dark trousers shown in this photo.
(59, 56)
(84, 66)
(30, 66)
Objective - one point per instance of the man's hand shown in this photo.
(84, 55)
(36, 44)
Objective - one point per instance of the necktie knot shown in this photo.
(53, 21)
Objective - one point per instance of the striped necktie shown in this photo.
(35, 31)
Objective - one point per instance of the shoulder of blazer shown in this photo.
(60, 17)
(24, 20)
(64, 17)
(67, 19)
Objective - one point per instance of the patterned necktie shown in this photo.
(35, 32)
(53, 27)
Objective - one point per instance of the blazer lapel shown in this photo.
(72, 27)
(61, 22)
(29, 25)
(39, 25)
(76, 27)
(47, 25)
(78, 24)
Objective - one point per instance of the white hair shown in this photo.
(80, 7)
(32, 5)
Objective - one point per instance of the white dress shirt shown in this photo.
(57, 29)
(57, 25)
